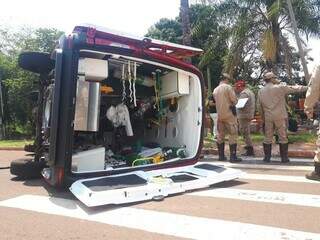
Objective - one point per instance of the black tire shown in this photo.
(29, 148)
(26, 168)
(37, 62)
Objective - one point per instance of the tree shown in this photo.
(19, 86)
(166, 30)
(266, 23)
(185, 20)
(247, 37)
(298, 40)
(206, 34)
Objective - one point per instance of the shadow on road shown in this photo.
(52, 191)
(232, 183)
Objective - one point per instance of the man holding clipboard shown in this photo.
(226, 99)
(245, 113)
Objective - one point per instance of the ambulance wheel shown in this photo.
(26, 169)
(29, 148)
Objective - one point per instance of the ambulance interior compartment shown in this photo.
(131, 112)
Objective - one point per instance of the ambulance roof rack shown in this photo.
(104, 36)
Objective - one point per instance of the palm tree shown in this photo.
(185, 20)
(298, 40)
(263, 26)
(209, 37)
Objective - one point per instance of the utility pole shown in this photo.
(209, 81)
(185, 20)
(298, 40)
(2, 129)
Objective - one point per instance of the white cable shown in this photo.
(134, 83)
(129, 78)
(156, 105)
(123, 83)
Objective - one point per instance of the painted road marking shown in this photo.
(258, 160)
(263, 166)
(284, 178)
(306, 200)
(158, 222)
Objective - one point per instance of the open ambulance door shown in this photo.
(139, 186)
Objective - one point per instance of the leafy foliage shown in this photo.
(20, 87)
(167, 30)
(267, 23)
(247, 37)
(205, 33)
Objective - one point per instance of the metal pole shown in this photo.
(2, 131)
(185, 19)
(209, 81)
(298, 40)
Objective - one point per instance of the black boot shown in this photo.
(284, 152)
(233, 154)
(249, 151)
(314, 175)
(267, 152)
(221, 152)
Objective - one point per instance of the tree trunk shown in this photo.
(2, 129)
(184, 15)
(209, 81)
(298, 40)
(276, 37)
(275, 28)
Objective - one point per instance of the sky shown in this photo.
(130, 16)
(134, 17)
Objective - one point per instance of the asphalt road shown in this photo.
(272, 201)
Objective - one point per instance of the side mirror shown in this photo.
(37, 62)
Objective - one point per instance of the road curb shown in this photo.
(11, 149)
(301, 154)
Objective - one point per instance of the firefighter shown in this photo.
(245, 114)
(272, 107)
(226, 100)
(312, 97)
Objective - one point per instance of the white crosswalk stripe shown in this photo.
(307, 200)
(158, 222)
(196, 227)
(258, 160)
(269, 177)
(253, 165)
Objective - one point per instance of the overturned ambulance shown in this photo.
(121, 118)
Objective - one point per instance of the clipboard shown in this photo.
(241, 103)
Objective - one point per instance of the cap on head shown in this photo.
(226, 76)
(268, 76)
(240, 83)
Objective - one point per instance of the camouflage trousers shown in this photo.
(226, 127)
(317, 153)
(244, 126)
(275, 126)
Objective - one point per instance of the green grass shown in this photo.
(302, 138)
(14, 143)
(258, 138)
